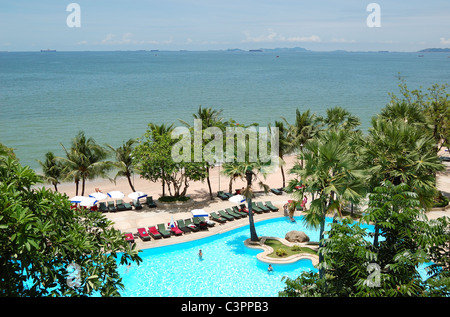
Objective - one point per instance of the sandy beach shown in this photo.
(130, 220)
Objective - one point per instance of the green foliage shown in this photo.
(41, 237)
(154, 160)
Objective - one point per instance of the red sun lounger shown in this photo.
(129, 237)
(143, 234)
(154, 232)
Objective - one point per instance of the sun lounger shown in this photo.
(214, 216)
(270, 206)
(201, 224)
(154, 232)
(175, 230)
(233, 214)
(181, 225)
(208, 222)
(243, 207)
(256, 208)
(162, 230)
(111, 206)
(102, 207)
(119, 205)
(127, 206)
(137, 205)
(143, 234)
(262, 207)
(225, 215)
(242, 213)
(222, 195)
(276, 191)
(150, 202)
(129, 237)
(190, 225)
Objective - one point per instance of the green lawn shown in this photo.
(288, 251)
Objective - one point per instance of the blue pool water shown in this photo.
(228, 267)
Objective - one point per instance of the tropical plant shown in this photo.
(304, 128)
(209, 118)
(331, 174)
(400, 152)
(154, 161)
(357, 264)
(124, 161)
(52, 169)
(85, 159)
(48, 249)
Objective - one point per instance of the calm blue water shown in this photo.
(46, 98)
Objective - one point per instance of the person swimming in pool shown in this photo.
(200, 254)
(270, 269)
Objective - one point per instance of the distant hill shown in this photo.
(285, 49)
(435, 50)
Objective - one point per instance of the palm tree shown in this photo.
(210, 118)
(52, 169)
(233, 170)
(301, 131)
(339, 117)
(331, 174)
(124, 160)
(85, 160)
(400, 152)
(284, 146)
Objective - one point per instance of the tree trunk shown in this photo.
(209, 183)
(253, 235)
(283, 177)
(129, 182)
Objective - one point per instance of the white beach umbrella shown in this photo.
(237, 199)
(98, 195)
(88, 202)
(77, 199)
(199, 213)
(116, 194)
(137, 195)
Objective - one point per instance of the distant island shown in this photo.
(435, 50)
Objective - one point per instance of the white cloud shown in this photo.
(273, 36)
(445, 41)
(127, 38)
(342, 40)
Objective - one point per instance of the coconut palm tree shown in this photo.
(124, 161)
(301, 131)
(210, 118)
(85, 160)
(52, 169)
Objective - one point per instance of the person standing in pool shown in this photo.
(200, 254)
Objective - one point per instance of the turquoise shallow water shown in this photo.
(46, 98)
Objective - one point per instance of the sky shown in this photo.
(323, 25)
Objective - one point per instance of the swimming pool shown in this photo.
(228, 267)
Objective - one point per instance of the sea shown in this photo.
(46, 98)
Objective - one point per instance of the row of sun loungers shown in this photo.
(200, 223)
(120, 205)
